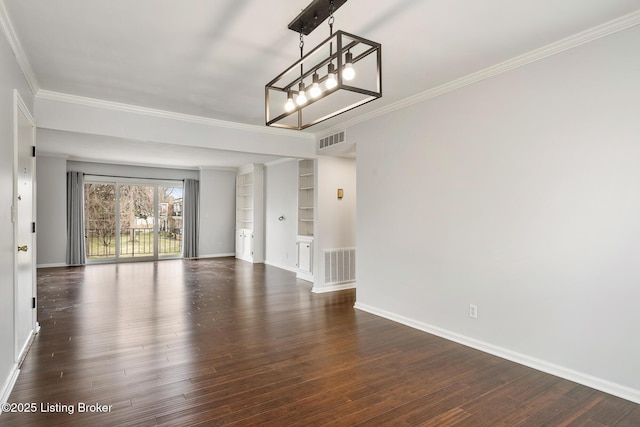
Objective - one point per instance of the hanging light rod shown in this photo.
(313, 15)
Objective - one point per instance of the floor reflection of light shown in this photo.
(133, 320)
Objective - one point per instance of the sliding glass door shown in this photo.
(133, 221)
(100, 220)
(137, 221)
(170, 220)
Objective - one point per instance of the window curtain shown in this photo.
(191, 224)
(75, 219)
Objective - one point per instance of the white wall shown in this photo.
(217, 212)
(10, 78)
(520, 194)
(281, 199)
(52, 211)
(335, 220)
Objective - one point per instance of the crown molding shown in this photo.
(164, 114)
(608, 28)
(18, 52)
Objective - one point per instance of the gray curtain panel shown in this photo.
(191, 217)
(75, 219)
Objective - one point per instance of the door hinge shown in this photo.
(33, 151)
(33, 302)
(33, 227)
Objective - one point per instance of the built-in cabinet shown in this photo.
(306, 218)
(305, 254)
(244, 244)
(250, 213)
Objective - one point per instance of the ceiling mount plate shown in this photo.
(313, 15)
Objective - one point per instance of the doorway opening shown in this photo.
(132, 221)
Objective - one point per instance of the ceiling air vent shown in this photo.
(336, 145)
(330, 140)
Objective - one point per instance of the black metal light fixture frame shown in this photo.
(332, 54)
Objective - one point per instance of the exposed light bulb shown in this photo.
(331, 77)
(301, 99)
(331, 81)
(289, 106)
(348, 73)
(315, 90)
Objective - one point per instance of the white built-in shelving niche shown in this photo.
(305, 197)
(250, 213)
(244, 202)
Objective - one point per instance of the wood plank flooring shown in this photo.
(223, 342)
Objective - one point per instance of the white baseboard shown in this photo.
(609, 387)
(303, 275)
(281, 266)
(59, 264)
(216, 255)
(333, 288)
(7, 387)
(25, 348)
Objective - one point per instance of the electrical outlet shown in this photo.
(473, 311)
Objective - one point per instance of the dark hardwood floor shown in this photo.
(224, 342)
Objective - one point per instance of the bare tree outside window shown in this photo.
(100, 217)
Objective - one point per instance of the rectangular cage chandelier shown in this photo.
(341, 73)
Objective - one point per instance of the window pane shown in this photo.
(169, 221)
(136, 221)
(100, 220)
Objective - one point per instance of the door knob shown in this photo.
(23, 248)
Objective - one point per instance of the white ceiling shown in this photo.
(212, 58)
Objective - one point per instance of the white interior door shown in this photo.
(24, 231)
